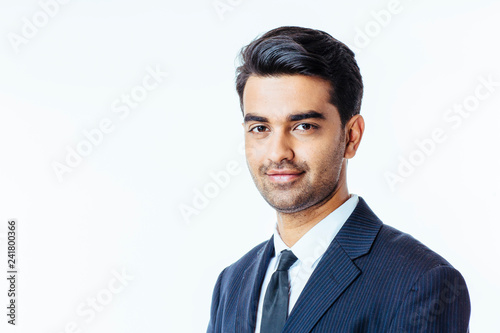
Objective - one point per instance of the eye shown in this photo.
(260, 129)
(306, 127)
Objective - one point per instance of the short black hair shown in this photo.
(297, 50)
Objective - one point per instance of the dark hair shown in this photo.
(298, 50)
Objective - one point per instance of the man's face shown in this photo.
(294, 141)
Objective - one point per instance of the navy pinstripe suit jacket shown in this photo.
(372, 278)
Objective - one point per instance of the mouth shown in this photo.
(284, 176)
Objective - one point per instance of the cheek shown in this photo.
(320, 158)
(312, 154)
(254, 158)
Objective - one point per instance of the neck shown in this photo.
(292, 227)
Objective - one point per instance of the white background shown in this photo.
(120, 207)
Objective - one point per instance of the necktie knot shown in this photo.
(287, 260)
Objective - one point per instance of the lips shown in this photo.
(283, 176)
(283, 172)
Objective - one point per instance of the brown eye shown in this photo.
(259, 128)
(306, 127)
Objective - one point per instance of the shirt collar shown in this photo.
(313, 244)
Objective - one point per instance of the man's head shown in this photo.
(300, 93)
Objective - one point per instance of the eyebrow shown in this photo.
(311, 114)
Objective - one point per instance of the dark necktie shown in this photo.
(275, 309)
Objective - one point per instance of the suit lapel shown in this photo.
(335, 271)
(322, 289)
(251, 282)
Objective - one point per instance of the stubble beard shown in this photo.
(307, 191)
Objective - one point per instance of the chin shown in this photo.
(288, 207)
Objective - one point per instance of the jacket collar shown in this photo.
(334, 273)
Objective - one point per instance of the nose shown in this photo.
(279, 148)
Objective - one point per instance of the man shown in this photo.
(331, 264)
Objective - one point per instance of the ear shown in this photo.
(354, 132)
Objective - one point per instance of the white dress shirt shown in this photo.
(309, 249)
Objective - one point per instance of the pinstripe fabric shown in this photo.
(372, 278)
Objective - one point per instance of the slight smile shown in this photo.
(283, 176)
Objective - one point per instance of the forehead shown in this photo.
(278, 96)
